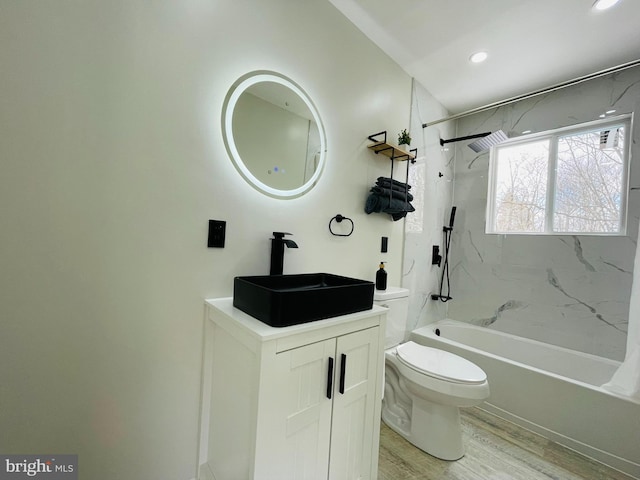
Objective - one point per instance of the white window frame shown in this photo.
(553, 135)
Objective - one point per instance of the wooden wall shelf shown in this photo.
(394, 152)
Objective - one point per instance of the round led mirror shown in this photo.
(273, 134)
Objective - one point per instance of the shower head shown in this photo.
(485, 143)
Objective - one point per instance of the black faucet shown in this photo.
(277, 251)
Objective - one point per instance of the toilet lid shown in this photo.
(440, 364)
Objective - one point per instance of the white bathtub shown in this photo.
(550, 390)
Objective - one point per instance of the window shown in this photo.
(567, 181)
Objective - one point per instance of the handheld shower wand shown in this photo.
(445, 267)
(452, 218)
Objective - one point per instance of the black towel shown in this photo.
(395, 207)
(393, 184)
(401, 195)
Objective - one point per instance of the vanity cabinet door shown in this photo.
(318, 421)
(276, 404)
(300, 432)
(354, 404)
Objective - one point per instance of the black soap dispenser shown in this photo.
(381, 278)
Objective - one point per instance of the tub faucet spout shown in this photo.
(278, 242)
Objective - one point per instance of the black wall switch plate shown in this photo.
(384, 245)
(217, 232)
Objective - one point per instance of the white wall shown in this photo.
(112, 161)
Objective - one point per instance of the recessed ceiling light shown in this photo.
(478, 57)
(526, 131)
(609, 112)
(604, 4)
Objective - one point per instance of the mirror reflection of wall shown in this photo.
(272, 141)
(274, 135)
(313, 151)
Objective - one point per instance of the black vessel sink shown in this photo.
(284, 300)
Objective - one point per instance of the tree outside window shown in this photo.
(562, 182)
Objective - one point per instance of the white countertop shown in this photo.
(265, 332)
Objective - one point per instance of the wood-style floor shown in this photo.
(495, 450)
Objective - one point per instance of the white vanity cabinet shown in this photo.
(299, 402)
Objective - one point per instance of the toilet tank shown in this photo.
(397, 301)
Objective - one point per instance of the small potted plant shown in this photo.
(404, 140)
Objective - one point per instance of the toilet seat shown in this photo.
(440, 364)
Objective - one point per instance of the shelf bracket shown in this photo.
(394, 153)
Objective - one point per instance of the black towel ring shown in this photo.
(339, 218)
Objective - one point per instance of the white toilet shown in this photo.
(424, 386)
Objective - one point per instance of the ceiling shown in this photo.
(532, 44)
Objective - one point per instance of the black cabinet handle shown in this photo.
(343, 368)
(330, 378)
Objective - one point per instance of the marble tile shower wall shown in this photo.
(431, 178)
(571, 291)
